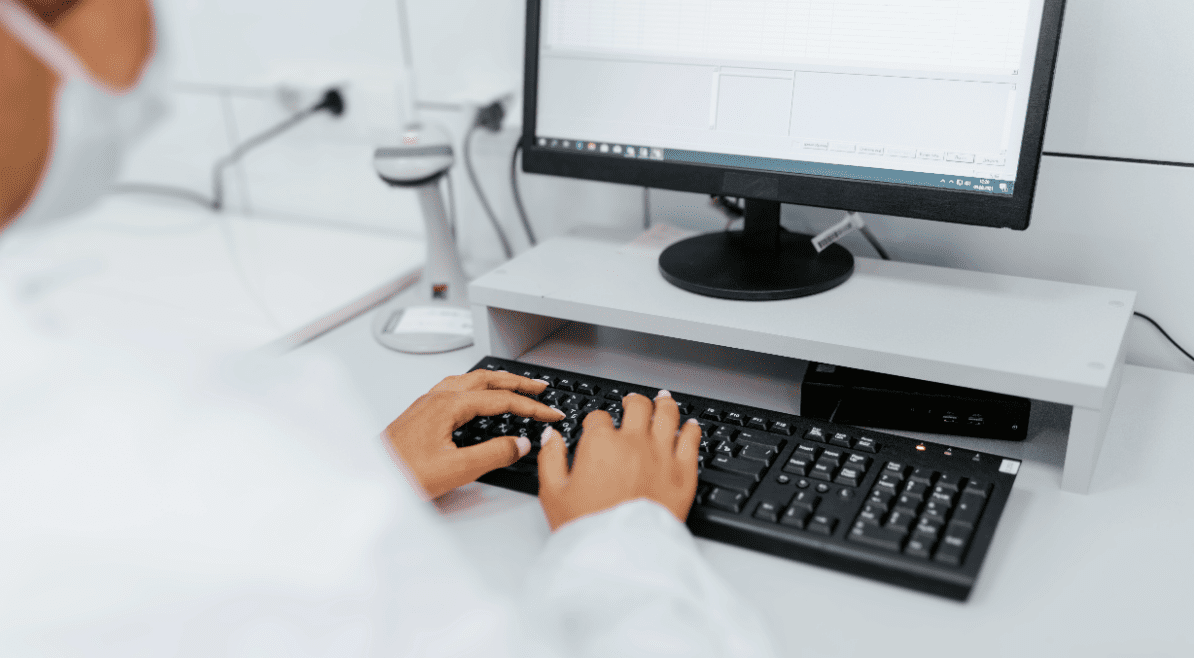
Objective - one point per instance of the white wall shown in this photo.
(1122, 90)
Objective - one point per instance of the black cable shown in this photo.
(331, 101)
(162, 190)
(472, 175)
(870, 237)
(522, 211)
(1165, 334)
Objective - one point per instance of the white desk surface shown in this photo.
(1105, 574)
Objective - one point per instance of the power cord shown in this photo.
(332, 102)
(1165, 334)
(522, 211)
(489, 117)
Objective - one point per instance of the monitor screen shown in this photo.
(921, 94)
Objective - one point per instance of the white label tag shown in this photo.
(435, 320)
(1009, 466)
(851, 223)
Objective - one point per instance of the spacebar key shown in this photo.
(728, 481)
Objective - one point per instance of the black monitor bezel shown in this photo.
(953, 206)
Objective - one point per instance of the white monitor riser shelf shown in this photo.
(1055, 342)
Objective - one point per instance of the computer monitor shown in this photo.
(930, 109)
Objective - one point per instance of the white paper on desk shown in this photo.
(436, 320)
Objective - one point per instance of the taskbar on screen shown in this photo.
(980, 184)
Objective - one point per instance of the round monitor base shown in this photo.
(726, 266)
(386, 317)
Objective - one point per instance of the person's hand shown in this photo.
(422, 435)
(645, 458)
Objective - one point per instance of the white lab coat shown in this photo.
(163, 495)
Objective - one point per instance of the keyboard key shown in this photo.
(888, 482)
(923, 475)
(823, 488)
(783, 479)
(944, 497)
(977, 488)
(722, 447)
(806, 499)
(767, 511)
(822, 524)
(899, 470)
(880, 497)
(733, 418)
(953, 546)
(935, 511)
(702, 492)
(782, 427)
(746, 467)
(861, 462)
(795, 517)
(949, 482)
(849, 476)
(823, 470)
(887, 539)
(803, 483)
(550, 397)
(761, 439)
(834, 455)
(867, 444)
(907, 504)
(901, 521)
(724, 433)
(840, 439)
(588, 388)
(815, 434)
(529, 374)
(616, 393)
(711, 413)
(725, 480)
(929, 528)
(798, 466)
(726, 499)
(807, 450)
(970, 507)
(684, 407)
(919, 547)
(707, 428)
(872, 514)
(917, 489)
(762, 453)
(757, 423)
(566, 384)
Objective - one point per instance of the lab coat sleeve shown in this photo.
(631, 582)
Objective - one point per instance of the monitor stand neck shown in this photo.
(761, 229)
(759, 263)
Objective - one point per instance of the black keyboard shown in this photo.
(919, 515)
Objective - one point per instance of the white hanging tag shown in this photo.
(852, 222)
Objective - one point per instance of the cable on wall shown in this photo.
(1165, 334)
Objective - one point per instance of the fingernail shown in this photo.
(524, 445)
(548, 433)
(663, 394)
(541, 381)
(562, 414)
(692, 421)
